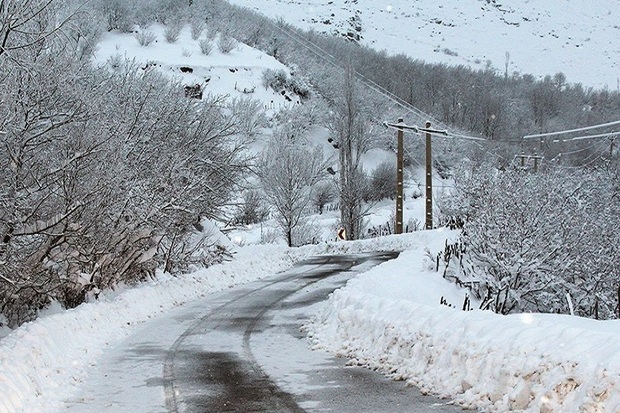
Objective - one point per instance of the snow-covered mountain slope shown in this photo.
(576, 37)
(235, 74)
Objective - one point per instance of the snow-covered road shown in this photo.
(108, 356)
(242, 351)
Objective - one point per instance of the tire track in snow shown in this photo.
(171, 386)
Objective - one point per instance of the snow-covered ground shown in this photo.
(237, 74)
(541, 37)
(389, 318)
(44, 362)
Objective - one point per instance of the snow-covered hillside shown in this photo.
(236, 74)
(541, 37)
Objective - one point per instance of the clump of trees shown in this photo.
(280, 81)
(108, 172)
(536, 242)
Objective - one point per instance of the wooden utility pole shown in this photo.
(398, 225)
(429, 179)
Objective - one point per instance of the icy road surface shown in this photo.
(242, 351)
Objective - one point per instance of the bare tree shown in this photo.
(350, 126)
(288, 174)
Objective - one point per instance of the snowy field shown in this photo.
(541, 37)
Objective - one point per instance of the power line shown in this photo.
(325, 56)
(544, 135)
(372, 85)
(473, 138)
(584, 137)
(589, 160)
(587, 148)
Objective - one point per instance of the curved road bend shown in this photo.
(242, 351)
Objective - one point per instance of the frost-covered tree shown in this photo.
(252, 210)
(92, 196)
(533, 238)
(288, 173)
(44, 105)
(29, 26)
(351, 130)
(383, 181)
(324, 193)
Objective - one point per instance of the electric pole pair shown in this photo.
(536, 158)
(401, 127)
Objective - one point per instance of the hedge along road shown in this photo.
(242, 351)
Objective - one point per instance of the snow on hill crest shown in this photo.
(575, 37)
(236, 74)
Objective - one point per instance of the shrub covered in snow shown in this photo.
(279, 80)
(383, 181)
(145, 37)
(226, 43)
(534, 238)
(172, 32)
(205, 46)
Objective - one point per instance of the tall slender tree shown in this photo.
(350, 127)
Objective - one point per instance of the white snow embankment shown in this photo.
(44, 362)
(390, 319)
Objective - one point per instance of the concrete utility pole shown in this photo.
(429, 179)
(400, 127)
(537, 160)
(398, 225)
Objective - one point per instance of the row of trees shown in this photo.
(107, 173)
(491, 102)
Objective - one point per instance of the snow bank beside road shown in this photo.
(44, 362)
(390, 319)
